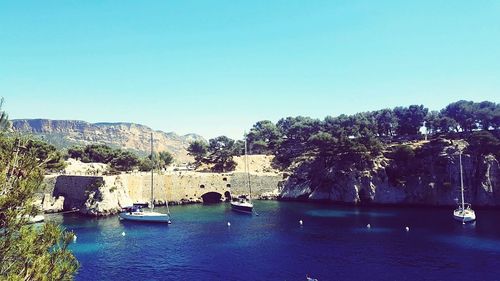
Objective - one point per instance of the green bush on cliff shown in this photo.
(221, 151)
(484, 143)
(165, 159)
(124, 161)
(403, 164)
(218, 153)
(263, 138)
(28, 252)
(198, 149)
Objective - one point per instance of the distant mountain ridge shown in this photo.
(130, 136)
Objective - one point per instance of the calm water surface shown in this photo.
(333, 244)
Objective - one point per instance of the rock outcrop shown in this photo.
(432, 178)
(51, 204)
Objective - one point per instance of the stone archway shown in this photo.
(211, 197)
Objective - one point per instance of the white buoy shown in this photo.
(368, 226)
(228, 224)
(407, 229)
(301, 222)
(74, 238)
(123, 233)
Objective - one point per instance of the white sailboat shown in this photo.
(463, 212)
(136, 213)
(244, 204)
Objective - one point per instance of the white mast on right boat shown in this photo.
(464, 212)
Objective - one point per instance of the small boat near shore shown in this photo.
(243, 204)
(464, 211)
(136, 212)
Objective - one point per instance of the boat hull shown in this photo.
(36, 219)
(145, 217)
(467, 216)
(242, 208)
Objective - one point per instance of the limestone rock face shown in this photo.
(488, 190)
(108, 198)
(438, 182)
(66, 133)
(51, 204)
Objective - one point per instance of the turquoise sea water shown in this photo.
(334, 243)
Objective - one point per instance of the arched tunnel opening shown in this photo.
(211, 197)
(227, 195)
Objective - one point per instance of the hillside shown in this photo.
(135, 137)
(423, 173)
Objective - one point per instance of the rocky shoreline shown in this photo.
(437, 182)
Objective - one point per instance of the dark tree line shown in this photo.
(120, 160)
(349, 139)
(465, 116)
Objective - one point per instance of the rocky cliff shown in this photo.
(430, 177)
(136, 137)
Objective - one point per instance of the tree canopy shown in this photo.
(198, 149)
(362, 133)
(120, 160)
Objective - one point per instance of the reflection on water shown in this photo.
(468, 242)
(348, 213)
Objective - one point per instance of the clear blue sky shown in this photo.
(217, 67)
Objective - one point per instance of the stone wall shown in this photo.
(103, 195)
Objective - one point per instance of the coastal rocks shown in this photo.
(93, 195)
(51, 204)
(431, 178)
(300, 190)
(273, 195)
(489, 184)
(107, 198)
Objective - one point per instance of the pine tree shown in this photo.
(28, 252)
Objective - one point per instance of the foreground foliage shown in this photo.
(28, 252)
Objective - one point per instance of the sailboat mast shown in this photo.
(247, 169)
(152, 171)
(462, 181)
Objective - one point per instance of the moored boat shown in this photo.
(243, 204)
(136, 213)
(463, 212)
